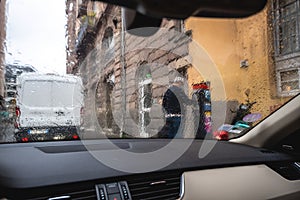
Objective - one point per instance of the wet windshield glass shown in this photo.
(71, 70)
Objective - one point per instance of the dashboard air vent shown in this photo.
(83, 194)
(163, 186)
(75, 193)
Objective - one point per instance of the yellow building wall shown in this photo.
(227, 42)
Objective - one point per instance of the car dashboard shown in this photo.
(68, 170)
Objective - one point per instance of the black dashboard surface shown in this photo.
(30, 165)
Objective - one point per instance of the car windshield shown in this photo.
(72, 69)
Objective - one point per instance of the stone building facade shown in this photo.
(2, 45)
(125, 76)
(71, 34)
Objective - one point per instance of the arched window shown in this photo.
(144, 83)
(107, 40)
(107, 45)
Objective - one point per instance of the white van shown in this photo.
(49, 107)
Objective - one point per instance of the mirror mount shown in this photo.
(140, 25)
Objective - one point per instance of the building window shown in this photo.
(286, 24)
(289, 80)
(107, 40)
(183, 72)
(144, 78)
(108, 45)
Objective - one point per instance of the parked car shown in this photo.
(48, 107)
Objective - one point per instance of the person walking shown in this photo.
(174, 101)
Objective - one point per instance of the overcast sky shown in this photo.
(36, 34)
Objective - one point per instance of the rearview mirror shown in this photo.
(179, 9)
(140, 14)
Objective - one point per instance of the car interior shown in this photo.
(264, 163)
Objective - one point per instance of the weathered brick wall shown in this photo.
(71, 35)
(160, 52)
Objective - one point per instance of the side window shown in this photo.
(286, 29)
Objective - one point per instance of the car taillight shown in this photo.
(18, 112)
(75, 137)
(221, 135)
